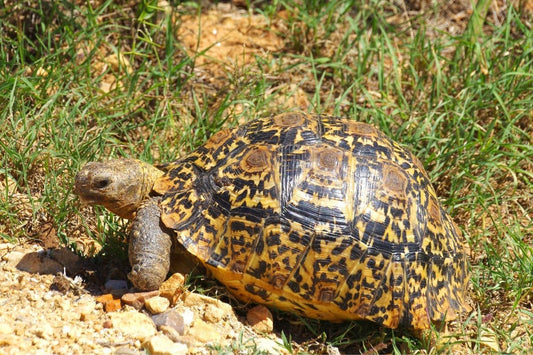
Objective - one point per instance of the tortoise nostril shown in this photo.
(102, 183)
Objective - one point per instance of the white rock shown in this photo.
(13, 258)
(333, 350)
(5, 328)
(188, 316)
(134, 324)
(162, 345)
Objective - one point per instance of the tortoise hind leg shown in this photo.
(149, 247)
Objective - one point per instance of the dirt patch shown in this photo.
(224, 37)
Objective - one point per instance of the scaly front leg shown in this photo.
(149, 248)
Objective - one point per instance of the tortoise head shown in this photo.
(119, 185)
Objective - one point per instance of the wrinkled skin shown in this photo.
(124, 186)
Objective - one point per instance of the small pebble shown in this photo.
(111, 304)
(260, 319)
(86, 316)
(170, 332)
(162, 345)
(172, 287)
(205, 332)
(124, 350)
(137, 300)
(333, 350)
(178, 320)
(43, 333)
(134, 324)
(157, 304)
(104, 298)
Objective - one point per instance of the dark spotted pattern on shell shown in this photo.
(321, 216)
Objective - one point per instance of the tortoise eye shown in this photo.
(102, 183)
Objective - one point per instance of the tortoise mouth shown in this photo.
(81, 187)
(88, 198)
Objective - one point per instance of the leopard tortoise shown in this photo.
(321, 216)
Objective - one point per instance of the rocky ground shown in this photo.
(46, 311)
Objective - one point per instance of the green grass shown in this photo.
(461, 101)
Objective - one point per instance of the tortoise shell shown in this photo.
(321, 216)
